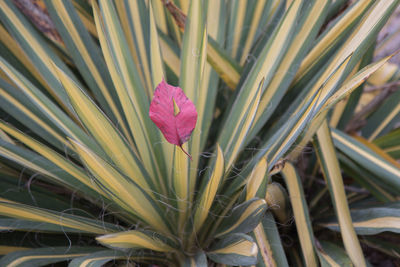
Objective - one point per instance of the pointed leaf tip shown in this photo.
(173, 113)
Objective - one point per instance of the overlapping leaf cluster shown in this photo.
(82, 164)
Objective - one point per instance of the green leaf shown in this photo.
(137, 239)
(86, 55)
(122, 190)
(49, 171)
(98, 258)
(234, 249)
(20, 107)
(129, 88)
(104, 132)
(209, 192)
(301, 214)
(7, 225)
(265, 67)
(193, 59)
(367, 158)
(44, 256)
(232, 144)
(334, 35)
(37, 50)
(244, 218)
(52, 156)
(390, 143)
(390, 248)
(332, 255)
(384, 118)
(198, 260)
(15, 189)
(48, 108)
(308, 26)
(330, 165)
(270, 252)
(61, 219)
(371, 221)
(367, 179)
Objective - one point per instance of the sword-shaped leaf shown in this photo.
(138, 240)
(45, 256)
(244, 218)
(371, 221)
(234, 249)
(330, 165)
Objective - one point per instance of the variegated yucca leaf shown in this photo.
(81, 162)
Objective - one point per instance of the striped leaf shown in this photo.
(11, 189)
(335, 71)
(367, 158)
(198, 260)
(371, 221)
(232, 144)
(270, 252)
(330, 165)
(134, 19)
(125, 192)
(346, 108)
(20, 108)
(209, 192)
(11, 51)
(390, 72)
(390, 143)
(193, 59)
(87, 56)
(51, 155)
(102, 257)
(48, 169)
(37, 50)
(308, 26)
(301, 215)
(255, 179)
(263, 11)
(383, 246)
(234, 249)
(367, 180)
(45, 256)
(137, 239)
(359, 78)
(109, 138)
(98, 258)
(333, 35)
(47, 106)
(128, 86)
(244, 218)
(331, 255)
(7, 225)
(62, 220)
(272, 52)
(228, 70)
(209, 80)
(384, 118)
(9, 249)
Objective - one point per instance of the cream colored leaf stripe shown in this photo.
(300, 211)
(129, 195)
(77, 38)
(370, 158)
(15, 210)
(130, 91)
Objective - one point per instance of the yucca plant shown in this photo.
(86, 177)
